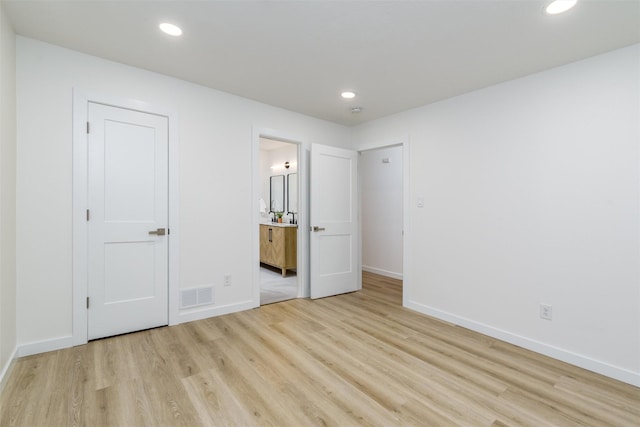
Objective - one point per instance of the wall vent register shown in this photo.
(196, 297)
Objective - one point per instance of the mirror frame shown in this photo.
(273, 184)
(292, 177)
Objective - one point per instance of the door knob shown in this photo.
(159, 232)
(316, 228)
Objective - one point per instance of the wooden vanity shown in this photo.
(279, 245)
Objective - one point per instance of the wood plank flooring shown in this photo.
(350, 360)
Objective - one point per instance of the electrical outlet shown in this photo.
(227, 280)
(546, 312)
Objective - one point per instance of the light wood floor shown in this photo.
(356, 359)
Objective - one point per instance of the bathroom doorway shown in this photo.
(278, 220)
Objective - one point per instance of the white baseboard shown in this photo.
(206, 312)
(6, 369)
(44, 346)
(185, 316)
(382, 272)
(579, 360)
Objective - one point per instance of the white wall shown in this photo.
(531, 196)
(7, 193)
(381, 203)
(264, 170)
(216, 131)
(277, 158)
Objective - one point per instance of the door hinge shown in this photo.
(87, 302)
(88, 127)
(88, 215)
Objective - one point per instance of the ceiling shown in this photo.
(299, 55)
(267, 144)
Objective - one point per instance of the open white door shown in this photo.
(127, 219)
(334, 242)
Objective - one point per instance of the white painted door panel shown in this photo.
(334, 245)
(128, 198)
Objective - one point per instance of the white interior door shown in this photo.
(335, 240)
(128, 215)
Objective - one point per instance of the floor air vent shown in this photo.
(195, 297)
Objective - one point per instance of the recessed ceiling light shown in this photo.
(559, 6)
(172, 30)
(348, 94)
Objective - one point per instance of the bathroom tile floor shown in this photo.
(275, 288)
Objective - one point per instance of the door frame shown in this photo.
(402, 141)
(81, 100)
(303, 213)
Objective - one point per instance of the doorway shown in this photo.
(278, 220)
(384, 204)
(381, 200)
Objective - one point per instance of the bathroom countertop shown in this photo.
(279, 224)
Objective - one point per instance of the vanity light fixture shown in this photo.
(172, 30)
(560, 6)
(282, 166)
(348, 94)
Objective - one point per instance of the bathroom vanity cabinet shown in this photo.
(279, 246)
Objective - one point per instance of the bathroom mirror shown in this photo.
(292, 192)
(276, 185)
